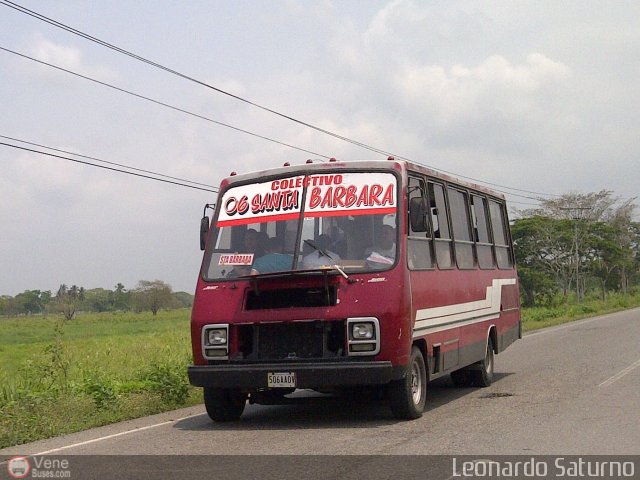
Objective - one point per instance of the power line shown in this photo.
(91, 38)
(215, 189)
(105, 161)
(143, 97)
(107, 168)
(158, 102)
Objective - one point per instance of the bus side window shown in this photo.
(484, 248)
(500, 239)
(442, 237)
(459, 204)
(419, 244)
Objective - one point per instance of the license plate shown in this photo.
(281, 380)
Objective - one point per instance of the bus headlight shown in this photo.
(215, 342)
(363, 336)
(217, 336)
(362, 331)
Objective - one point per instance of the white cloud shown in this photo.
(453, 95)
(70, 58)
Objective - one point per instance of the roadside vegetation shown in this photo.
(577, 245)
(534, 318)
(60, 376)
(578, 255)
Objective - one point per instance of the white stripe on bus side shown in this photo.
(429, 319)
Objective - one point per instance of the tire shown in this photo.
(482, 375)
(407, 396)
(223, 404)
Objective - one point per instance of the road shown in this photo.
(573, 389)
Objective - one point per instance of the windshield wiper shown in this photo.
(324, 253)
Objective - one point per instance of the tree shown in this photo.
(97, 300)
(31, 301)
(4, 304)
(633, 267)
(183, 299)
(67, 300)
(601, 241)
(152, 295)
(120, 298)
(543, 254)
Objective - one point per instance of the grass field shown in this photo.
(59, 377)
(541, 317)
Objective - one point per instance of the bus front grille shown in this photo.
(292, 340)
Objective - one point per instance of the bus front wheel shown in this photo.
(408, 395)
(224, 404)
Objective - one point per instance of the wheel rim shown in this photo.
(416, 383)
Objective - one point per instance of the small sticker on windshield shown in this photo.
(236, 259)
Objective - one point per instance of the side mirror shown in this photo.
(204, 230)
(418, 214)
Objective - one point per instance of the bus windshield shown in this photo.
(305, 222)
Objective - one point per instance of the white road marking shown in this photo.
(113, 435)
(620, 374)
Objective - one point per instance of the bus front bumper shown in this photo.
(308, 375)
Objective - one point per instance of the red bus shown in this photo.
(332, 275)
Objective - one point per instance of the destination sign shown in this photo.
(327, 194)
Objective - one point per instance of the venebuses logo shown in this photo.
(18, 467)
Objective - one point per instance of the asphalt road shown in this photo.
(573, 389)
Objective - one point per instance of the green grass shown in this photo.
(534, 318)
(98, 369)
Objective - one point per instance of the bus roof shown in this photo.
(391, 164)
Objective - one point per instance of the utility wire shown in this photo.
(215, 189)
(158, 102)
(91, 38)
(137, 95)
(105, 161)
(107, 168)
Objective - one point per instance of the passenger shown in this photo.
(250, 241)
(250, 244)
(274, 260)
(318, 258)
(339, 241)
(385, 249)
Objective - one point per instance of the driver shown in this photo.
(385, 249)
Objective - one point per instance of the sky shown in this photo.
(533, 95)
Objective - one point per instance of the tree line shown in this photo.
(146, 296)
(575, 244)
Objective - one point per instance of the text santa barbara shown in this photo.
(325, 193)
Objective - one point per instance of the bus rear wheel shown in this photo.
(407, 396)
(482, 375)
(224, 404)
